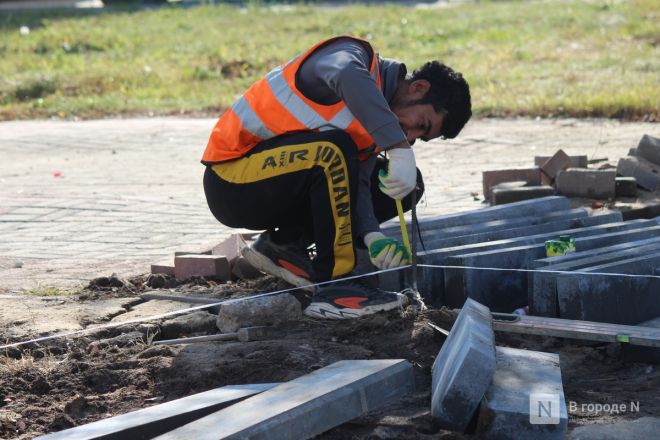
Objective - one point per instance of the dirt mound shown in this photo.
(71, 382)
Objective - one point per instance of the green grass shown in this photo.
(595, 58)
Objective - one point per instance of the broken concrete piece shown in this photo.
(645, 427)
(491, 178)
(258, 311)
(501, 195)
(595, 184)
(186, 266)
(526, 388)
(464, 367)
(199, 321)
(576, 161)
(553, 166)
(626, 187)
(649, 149)
(645, 173)
(158, 419)
(308, 405)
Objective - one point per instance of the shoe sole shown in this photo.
(265, 264)
(328, 311)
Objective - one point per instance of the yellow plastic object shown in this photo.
(404, 230)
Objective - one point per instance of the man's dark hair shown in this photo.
(449, 92)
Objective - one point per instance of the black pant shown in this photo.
(305, 186)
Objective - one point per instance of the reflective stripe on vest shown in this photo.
(274, 106)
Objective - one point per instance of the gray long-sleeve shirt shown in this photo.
(340, 71)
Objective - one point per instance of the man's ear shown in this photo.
(418, 88)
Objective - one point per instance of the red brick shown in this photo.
(186, 266)
(576, 161)
(557, 163)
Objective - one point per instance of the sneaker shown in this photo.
(286, 261)
(347, 300)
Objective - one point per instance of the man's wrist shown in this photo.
(403, 144)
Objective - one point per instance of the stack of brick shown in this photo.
(564, 175)
(643, 163)
(517, 184)
(223, 262)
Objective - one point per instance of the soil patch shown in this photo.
(64, 383)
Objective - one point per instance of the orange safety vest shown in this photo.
(273, 106)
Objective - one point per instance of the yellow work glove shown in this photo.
(385, 252)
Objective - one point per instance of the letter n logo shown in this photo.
(544, 409)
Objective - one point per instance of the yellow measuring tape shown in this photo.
(404, 230)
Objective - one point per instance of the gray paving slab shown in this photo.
(542, 286)
(506, 290)
(158, 419)
(649, 148)
(525, 208)
(532, 228)
(464, 368)
(434, 235)
(618, 299)
(308, 405)
(645, 172)
(524, 379)
(431, 281)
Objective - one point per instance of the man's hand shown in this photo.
(401, 176)
(385, 252)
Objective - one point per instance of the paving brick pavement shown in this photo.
(129, 191)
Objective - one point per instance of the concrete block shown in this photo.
(258, 311)
(501, 196)
(464, 368)
(433, 235)
(527, 208)
(158, 419)
(532, 228)
(645, 173)
(649, 149)
(625, 187)
(506, 290)
(162, 268)
(491, 178)
(186, 266)
(510, 403)
(433, 286)
(309, 405)
(615, 299)
(553, 166)
(576, 161)
(595, 184)
(642, 428)
(640, 353)
(542, 286)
